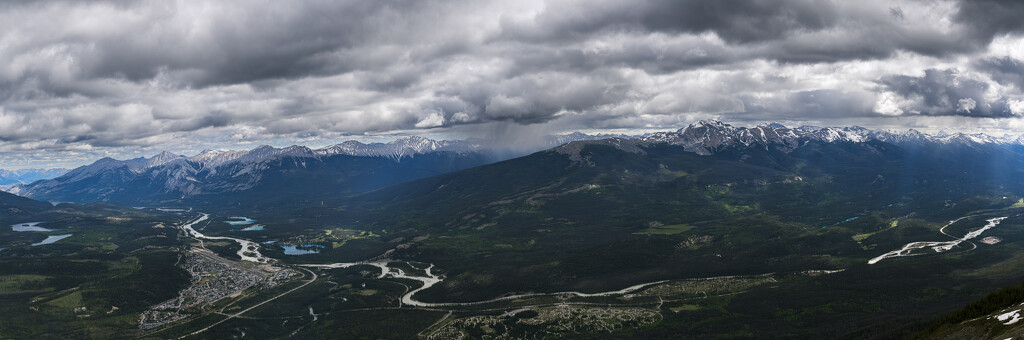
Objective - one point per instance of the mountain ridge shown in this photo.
(171, 176)
(24, 176)
(174, 177)
(705, 137)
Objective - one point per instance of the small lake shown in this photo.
(252, 228)
(29, 226)
(52, 239)
(241, 220)
(293, 250)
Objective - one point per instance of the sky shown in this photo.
(86, 79)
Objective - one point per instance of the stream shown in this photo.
(433, 279)
(247, 245)
(938, 247)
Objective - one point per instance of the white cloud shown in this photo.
(966, 105)
(888, 104)
(432, 120)
(1016, 107)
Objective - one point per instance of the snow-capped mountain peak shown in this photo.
(212, 158)
(397, 149)
(708, 136)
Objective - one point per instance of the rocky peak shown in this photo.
(161, 159)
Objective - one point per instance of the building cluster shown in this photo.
(213, 278)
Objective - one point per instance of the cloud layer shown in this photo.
(87, 78)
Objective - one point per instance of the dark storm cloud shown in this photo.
(95, 74)
(787, 31)
(1005, 70)
(532, 99)
(946, 92)
(733, 20)
(242, 44)
(214, 119)
(655, 55)
(989, 18)
(76, 139)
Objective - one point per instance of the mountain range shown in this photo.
(24, 176)
(353, 167)
(708, 136)
(345, 168)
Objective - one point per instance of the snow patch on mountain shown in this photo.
(707, 137)
(405, 147)
(208, 170)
